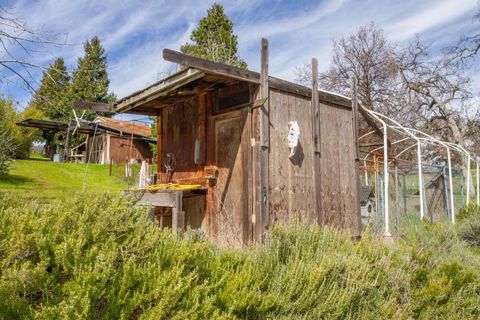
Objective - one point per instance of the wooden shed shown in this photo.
(226, 129)
(121, 142)
(105, 139)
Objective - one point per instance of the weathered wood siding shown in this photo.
(182, 124)
(120, 150)
(338, 169)
(291, 180)
(291, 183)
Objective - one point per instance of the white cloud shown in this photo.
(252, 32)
(432, 15)
(134, 33)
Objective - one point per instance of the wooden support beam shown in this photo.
(264, 140)
(354, 95)
(315, 107)
(371, 144)
(316, 143)
(264, 110)
(210, 66)
(370, 122)
(160, 89)
(250, 76)
(95, 106)
(178, 215)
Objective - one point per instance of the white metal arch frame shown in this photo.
(385, 171)
(428, 137)
(460, 149)
(419, 154)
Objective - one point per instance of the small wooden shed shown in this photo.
(120, 142)
(227, 130)
(106, 140)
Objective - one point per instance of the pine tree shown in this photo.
(90, 80)
(214, 39)
(52, 98)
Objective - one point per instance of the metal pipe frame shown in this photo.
(428, 137)
(419, 157)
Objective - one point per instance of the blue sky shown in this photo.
(134, 33)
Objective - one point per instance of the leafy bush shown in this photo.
(98, 257)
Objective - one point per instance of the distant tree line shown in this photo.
(58, 89)
(426, 90)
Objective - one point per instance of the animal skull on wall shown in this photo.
(293, 137)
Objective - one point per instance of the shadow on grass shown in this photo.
(16, 180)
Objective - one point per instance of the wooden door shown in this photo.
(229, 197)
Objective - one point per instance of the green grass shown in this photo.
(41, 178)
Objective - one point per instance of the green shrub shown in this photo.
(467, 212)
(98, 257)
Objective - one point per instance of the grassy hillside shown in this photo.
(39, 177)
(98, 257)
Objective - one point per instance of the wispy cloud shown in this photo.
(430, 16)
(135, 32)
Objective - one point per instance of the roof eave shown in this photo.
(162, 88)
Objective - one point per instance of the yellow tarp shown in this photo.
(171, 186)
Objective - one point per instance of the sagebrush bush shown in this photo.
(469, 225)
(98, 257)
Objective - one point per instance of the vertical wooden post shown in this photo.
(357, 155)
(67, 144)
(261, 153)
(265, 115)
(316, 143)
(178, 216)
(159, 146)
(247, 182)
(265, 139)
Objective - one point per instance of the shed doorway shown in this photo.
(228, 193)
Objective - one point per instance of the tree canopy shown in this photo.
(53, 96)
(90, 79)
(214, 39)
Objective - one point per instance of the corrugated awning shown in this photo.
(85, 128)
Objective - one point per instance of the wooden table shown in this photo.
(171, 199)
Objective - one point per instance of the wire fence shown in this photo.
(404, 196)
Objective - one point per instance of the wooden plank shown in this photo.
(228, 192)
(370, 144)
(246, 161)
(329, 166)
(264, 141)
(250, 76)
(210, 224)
(201, 133)
(160, 167)
(95, 106)
(356, 198)
(157, 90)
(178, 216)
(159, 199)
(259, 102)
(315, 107)
(290, 87)
(211, 67)
(264, 110)
(316, 136)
